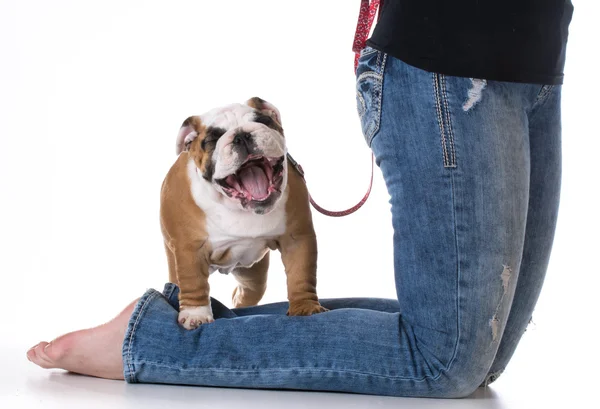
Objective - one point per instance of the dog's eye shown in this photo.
(208, 141)
(212, 137)
(264, 119)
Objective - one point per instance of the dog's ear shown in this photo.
(265, 107)
(189, 131)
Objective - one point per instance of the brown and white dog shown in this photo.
(229, 199)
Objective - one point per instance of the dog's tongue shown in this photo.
(255, 181)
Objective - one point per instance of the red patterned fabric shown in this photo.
(368, 9)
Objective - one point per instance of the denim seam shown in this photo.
(380, 67)
(444, 120)
(300, 369)
(440, 118)
(448, 123)
(457, 249)
(129, 356)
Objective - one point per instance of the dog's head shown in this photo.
(240, 150)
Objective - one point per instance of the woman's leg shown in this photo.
(544, 197)
(458, 180)
(98, 351)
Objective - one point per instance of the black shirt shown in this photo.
(502, 40)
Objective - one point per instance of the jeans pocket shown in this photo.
(369, 89)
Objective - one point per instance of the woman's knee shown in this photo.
(460, 381)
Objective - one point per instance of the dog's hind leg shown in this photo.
(252, 283)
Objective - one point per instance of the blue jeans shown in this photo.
(473, 171)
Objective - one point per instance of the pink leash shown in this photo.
(368, 9)
(331, 213)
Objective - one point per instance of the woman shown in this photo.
(460, 103)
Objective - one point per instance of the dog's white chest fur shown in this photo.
(244, 235)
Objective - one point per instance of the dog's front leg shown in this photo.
(299, 256)
(192, 267)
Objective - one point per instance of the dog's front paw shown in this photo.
(307, 307)
(193, 317)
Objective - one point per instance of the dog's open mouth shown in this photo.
(256, 180)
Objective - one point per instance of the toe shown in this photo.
(49, 352)
(39, 357)
(62, 348)
(30, 351)
(30, 354)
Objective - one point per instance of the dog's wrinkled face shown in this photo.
(240, 150)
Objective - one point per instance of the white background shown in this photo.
(91, 98)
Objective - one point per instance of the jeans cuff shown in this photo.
(127, 351)
(490, 378)
(171, 293)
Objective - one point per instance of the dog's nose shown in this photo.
(243, 139)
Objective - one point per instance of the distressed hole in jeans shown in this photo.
(495, 325)
(474, 93)
(491, 378)
(505, 276)
(530, 325)
(495, 322)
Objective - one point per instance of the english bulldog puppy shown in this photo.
(228, 200)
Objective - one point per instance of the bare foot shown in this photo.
(95, 351)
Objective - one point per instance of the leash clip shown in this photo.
(295, 164)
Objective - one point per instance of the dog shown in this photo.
(228, 200)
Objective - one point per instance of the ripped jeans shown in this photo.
(473, 171)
